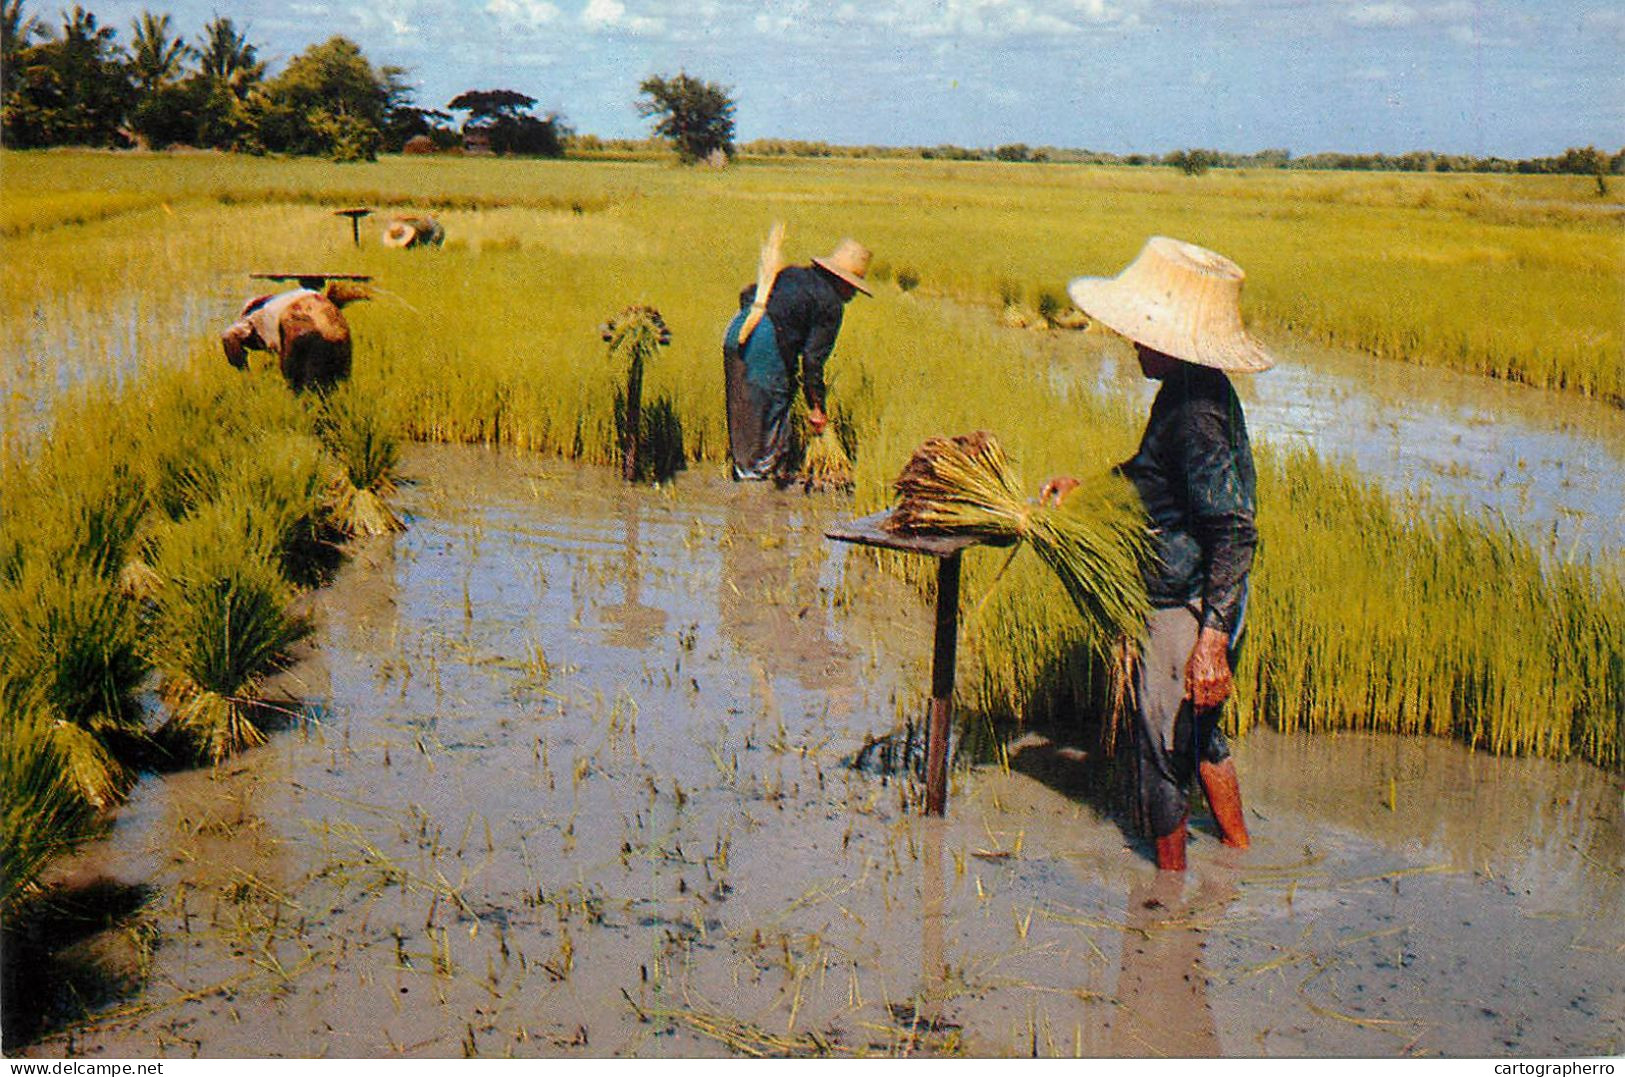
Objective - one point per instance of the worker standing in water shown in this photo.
(1179, 304)
(794, 326)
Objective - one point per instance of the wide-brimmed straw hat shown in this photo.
(409, 231)
(850, 262)
(1180, 299)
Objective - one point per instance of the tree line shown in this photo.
(76, 85)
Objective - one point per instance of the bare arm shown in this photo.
(236, 341)
(1207, 674)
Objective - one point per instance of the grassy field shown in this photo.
(120, 271)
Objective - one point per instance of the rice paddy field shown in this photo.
(530, 776)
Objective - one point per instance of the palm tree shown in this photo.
(225, 54)
(156, 57)
(16, 32)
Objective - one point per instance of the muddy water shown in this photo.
(1552, 465)
(572, 781)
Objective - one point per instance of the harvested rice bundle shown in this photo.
(1095, 543)
(363, 454)
(222, 623)
(826, 465)
(343, 292)
(633, 337)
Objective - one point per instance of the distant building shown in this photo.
(477, 140)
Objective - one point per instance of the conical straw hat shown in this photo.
(1180, 299)
(850, 262)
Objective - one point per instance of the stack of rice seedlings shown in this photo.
(69, 639)
(633, 335)
(221, 624)
(42, 815)
(1095, 543)
(363, 453)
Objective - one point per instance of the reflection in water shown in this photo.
(769, 604)
(1162, 979)
(633, 623)
(1551, 464)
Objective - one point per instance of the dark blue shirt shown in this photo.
(806, 311)
(1194, 473)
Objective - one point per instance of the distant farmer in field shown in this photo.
(1180, 306)
(407, 232)
(797, 323)
(303, 328)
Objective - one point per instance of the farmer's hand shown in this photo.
(1056, 489)
(1207, 674)
(817, 420)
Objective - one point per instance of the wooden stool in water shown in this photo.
(871, 531)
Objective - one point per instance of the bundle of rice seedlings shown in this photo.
(768, 265)
(633, 335)
(41, 814)
(70, 640)
(363, 454)
(221, 625)
(826, 465)
(1095, 543)
(340, 292)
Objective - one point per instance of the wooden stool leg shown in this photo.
(942, 685)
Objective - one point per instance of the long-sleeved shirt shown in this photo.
(1194, 473)
(806, 312)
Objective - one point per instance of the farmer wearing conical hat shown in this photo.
(789, 318)
(1180, 306)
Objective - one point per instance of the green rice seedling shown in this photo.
(221, 624)
(1095, 545)
(633, 336)
(70, 639)
(42, 815)
(364, 453)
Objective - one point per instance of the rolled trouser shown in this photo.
(759, 394)
(1171, 736)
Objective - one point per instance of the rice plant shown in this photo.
(42, 815)
(221, 624)
(364, 453)
(633, 337)
(69, 639)
(1095, 546)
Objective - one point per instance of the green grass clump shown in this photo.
(42, 815)
(361, 478)
(69, 638)
(221, 624)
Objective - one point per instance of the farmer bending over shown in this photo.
(1180, 306)
(304, 329)
(801, 321)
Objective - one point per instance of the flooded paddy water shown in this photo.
(1550, 464)
(569, 775)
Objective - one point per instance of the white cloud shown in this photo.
(531, 13)
(601, 15)
(1382, 14)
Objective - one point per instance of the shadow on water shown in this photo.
(78, 948)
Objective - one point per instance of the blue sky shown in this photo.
(1510, 77)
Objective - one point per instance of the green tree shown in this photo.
(166, 108)
(330, 101)
(696, 116)
(1192, 162)
(156, 57)
(503, 114)
(17, 33)
(229, 75)
(71, 89)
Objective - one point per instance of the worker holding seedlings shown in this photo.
(789, 317)
(1179, 305)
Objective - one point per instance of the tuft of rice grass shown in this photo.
(42, 815)
(221, 625)
(70, 639)
(826, 465)
(363, 454)
(1096, 543)
(633, 336)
